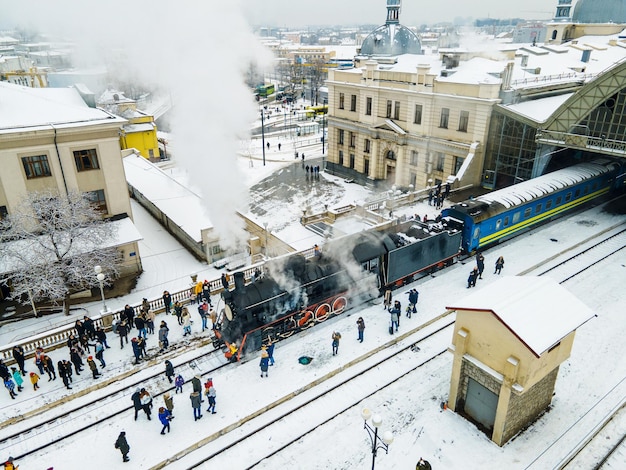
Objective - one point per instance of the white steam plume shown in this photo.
(195, 52)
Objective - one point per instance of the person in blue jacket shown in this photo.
(165, 417)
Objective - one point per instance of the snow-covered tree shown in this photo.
(50, 245)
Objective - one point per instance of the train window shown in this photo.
(506, 221)
(548, 205)
(594, 186)
(558, 200)
(537, 208)
(498, 224)
(577, 194)
(476, 232)
(568, 197)
(516, 217)
(527, 212)
(585, 191)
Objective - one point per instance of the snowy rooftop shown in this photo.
(538, 310)
(545, 184)
(22, 106)
(183, 206)
(541, 109)
(123, 232)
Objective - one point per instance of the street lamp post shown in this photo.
(263, 135)
(376, 440)
(100, 277)
(325, 116)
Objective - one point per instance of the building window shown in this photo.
(98, 200)
(390, 155)
(412, 179)
(366, 166)
(388, 114)
(414, 155)
(341, 157)
(341, 133)
(352, 160)
(36, 167)
(353, 103)
(441, 158)
(463, 121)
(86, 160)
(417, 119)
(368, 106)
(352, 139)
(367, 146)
(341, 100)
(445, 116)
(396, 111)
(458, 162)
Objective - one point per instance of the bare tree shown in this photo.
(50, 245)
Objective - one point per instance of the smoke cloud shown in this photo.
(196, 54)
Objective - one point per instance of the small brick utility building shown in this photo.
(509, 340)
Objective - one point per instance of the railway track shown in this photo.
(287, 420)
(58, 421)
(226, 443)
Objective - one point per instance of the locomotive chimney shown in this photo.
(240, 281)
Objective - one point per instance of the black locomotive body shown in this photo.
(296, 292)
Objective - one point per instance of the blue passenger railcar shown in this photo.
(502, 214)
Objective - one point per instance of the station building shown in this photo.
(492, 114)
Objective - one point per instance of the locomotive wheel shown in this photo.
(339, 305)
(306, 320)
(322, 312)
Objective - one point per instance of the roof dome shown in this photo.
(391, 38)
(600, 11)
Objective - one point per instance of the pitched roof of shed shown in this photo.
(537, 310)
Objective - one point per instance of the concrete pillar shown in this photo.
(461, 342)
(510, 377)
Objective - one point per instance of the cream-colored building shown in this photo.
(400, 122)
(50, 139)
(509, 340)
(489, 115)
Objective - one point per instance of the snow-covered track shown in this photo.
(574, 264)
(570, 450)
(84, 410)
(271, 429)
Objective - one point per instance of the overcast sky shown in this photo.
(414, 12)
(288, 13)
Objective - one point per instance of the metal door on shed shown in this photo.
(481, 403)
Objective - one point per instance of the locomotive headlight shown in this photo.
(228, 311)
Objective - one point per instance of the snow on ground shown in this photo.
(410, 408)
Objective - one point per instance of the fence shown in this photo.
(57, 337)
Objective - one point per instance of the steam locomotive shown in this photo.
(298, 291)
(301, 290)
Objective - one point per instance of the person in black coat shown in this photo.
(167, 302)
(129, 314)
(122, 330)
(80, 328)
(4, 371)
(122, 445)
(136, 398)
(90, 328)
(169, 371)
(102, 337)
(471, 280)
(76, 360)
(63, 372)
(224, 281)
(48, 366)
(19, 356)
(480, 264)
